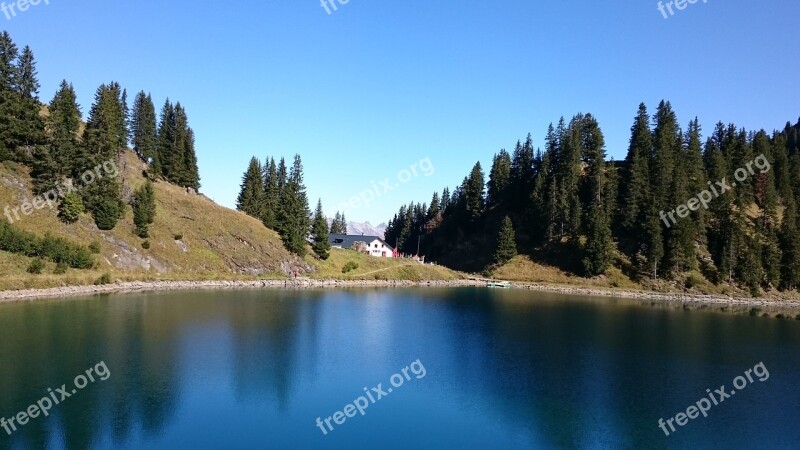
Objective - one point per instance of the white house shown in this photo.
(372, 245)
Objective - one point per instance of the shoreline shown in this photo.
(150, 286)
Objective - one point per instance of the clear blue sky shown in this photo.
(376, 86)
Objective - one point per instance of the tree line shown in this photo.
(276, 195)
(59, 147)
(569, 206)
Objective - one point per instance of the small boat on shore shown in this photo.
(498, 284)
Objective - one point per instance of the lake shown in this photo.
(419, 368)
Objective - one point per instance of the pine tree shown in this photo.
(599, 245)
(166, 138)
(635, 190)
(271, 194)
(506, 243)
(294, 215)
(320, 233)
(251, 195)
(473, 192)
(192, 173)
(70, 208)
(63, 129)
(339, 224)
(144, 209)
(105, 135)
(499, 178)
(145, 131)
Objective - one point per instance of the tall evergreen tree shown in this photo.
(251, 194)
(144, 130)
(271, 193)
(63, 129)
(144, 209)
(473, 193)
(506, 243)
(294, 215)
(320, 233)
(499, 178)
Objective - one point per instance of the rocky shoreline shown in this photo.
(145, 286)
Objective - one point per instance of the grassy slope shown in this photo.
(216, 242)
(371, 268)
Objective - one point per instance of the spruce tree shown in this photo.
(144, 209)
(271, 194)
(635, 189)
(473, 193)
(105, 135)
(145, 131)
(294, 215)
(251, 195)
(320, 233)
(499, 178)
(339, 224)
(165, 155)
(599, 245)
(506, 243)
(63, 129)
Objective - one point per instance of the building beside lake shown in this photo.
(372, 245)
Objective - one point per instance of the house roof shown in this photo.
(347, 240)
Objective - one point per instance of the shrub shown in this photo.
(36, 267)
(70, 208)
(146, 245)
(350, 266)
(178, 237)
(94, 247)
(61, 268)
(106, 213)
(144, 209)
(104, 279)
(53, 248)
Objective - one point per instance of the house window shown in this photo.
(376, 245)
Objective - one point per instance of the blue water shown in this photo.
(484, 368)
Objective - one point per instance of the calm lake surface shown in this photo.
(503, 369)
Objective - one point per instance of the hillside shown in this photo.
(192, 238)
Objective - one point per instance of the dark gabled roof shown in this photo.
(347, 240)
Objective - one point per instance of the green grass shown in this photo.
(372, 268)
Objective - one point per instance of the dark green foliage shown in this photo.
(251, 194)
(104, 279)
(293, 212)
(271, 194)
(350, 266)
(320, 233)
(102, 200)
(146, 245)
(499, 177)
(144, 131)
(176, 152)
(63, 127)
(339, 224)
(569, 194)
(70, 208)
(177, 237)
(36, 266)
(506, 243)
(94, 247)
(58, 250)
(144, 209)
